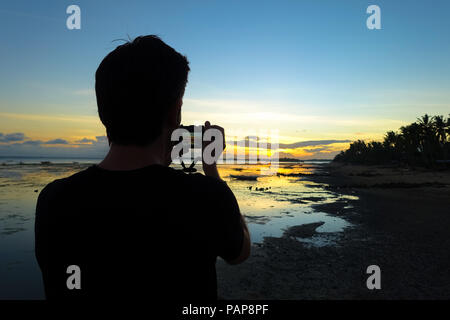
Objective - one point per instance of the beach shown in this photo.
(269, 201)
(315, 228)
(400, 221)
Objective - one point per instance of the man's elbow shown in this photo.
(245, 251)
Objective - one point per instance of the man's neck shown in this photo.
(122, 157)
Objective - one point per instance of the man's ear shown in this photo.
(107, 137)
(174, 116)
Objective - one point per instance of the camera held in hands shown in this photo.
(194, 136)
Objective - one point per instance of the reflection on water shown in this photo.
(270, 203)
(20, 185)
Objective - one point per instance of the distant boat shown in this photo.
(45, 162)
(244, 177)
(289, 160)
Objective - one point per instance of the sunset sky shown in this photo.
(309, 69)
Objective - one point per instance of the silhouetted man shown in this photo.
(131, 226)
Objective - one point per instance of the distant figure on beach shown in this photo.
(131, 227)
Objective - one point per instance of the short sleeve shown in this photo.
(42, 234)
(230, 232)
(41, 227)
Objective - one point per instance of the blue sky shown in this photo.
(310, 69)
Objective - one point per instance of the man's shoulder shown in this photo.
(58, 186)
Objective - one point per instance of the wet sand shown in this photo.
(396, 218)
(400, 222)
(271, 203)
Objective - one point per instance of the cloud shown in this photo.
(89, 147)
(294, 145)
(285, 155)
(86, 140)
(32, 142)
(56, 141)
(101, 138)
(55, 148)
(316, 149)
(12, 137)
(53, 118)
(98, 141)
(311, 143)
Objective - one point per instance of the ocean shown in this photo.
(271, 203)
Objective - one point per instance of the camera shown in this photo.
(195, 132)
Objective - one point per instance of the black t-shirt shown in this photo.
(149, 232)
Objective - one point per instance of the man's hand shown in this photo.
(211, 169)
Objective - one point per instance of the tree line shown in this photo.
(425, 142)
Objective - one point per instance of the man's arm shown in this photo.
(211, 170)
(245, 251)
(41, 228)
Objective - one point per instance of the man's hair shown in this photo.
(136, 85)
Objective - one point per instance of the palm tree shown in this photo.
(428, 138)
(440, 127)
(390, 139)
(421, 142)
(448, 124)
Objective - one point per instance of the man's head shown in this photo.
(139, 86)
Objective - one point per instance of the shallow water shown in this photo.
(273, 203)
(270, 203)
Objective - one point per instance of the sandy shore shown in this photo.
(401, 223)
